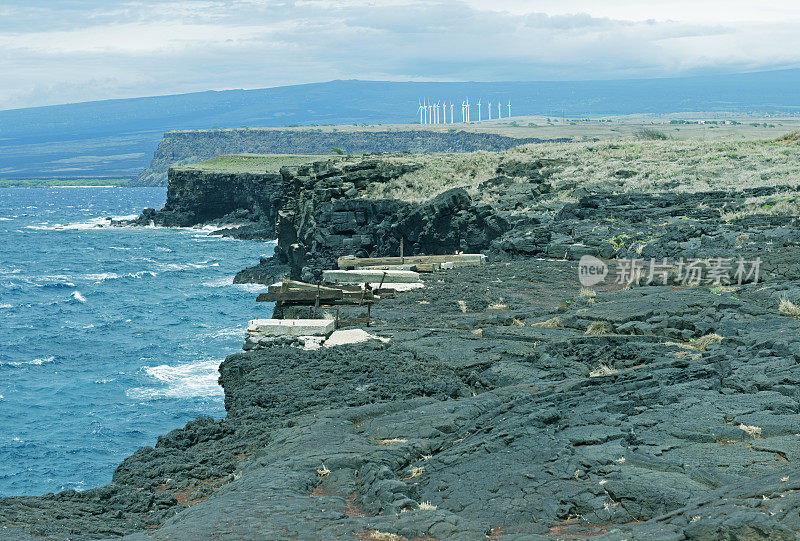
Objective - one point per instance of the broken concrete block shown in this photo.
(291, 327)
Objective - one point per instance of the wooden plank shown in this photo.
(300, 296)
(458, 260)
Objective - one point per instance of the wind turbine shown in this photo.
(437, 113)
(463, 112)
(451, 113)
(489, 109)
(479, 110)
(509, 108)
(499, 109)
(467, 109)
(421, 112)
(444, 112)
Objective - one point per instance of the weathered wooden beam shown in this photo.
(458, 260)
(301, 296)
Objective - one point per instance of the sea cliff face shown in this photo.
(183, 147)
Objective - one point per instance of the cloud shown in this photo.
(81, 49)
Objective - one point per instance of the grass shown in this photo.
(753, 431)
(650, 134)
(704, 341)
(652, 165)
(788, 308)
(602, 370)
(597, 328)
(56, 182)
(254, 163)
(552, 323)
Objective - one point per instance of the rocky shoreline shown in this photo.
(510, 402)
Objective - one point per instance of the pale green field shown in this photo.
(253, 163)
(697, 126)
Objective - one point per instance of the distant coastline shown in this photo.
(64, 183)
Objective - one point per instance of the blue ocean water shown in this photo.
(109, 337)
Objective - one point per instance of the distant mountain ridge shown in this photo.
(116, 138)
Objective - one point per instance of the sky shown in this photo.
(63, 51)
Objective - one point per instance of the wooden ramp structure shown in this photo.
(298, 297)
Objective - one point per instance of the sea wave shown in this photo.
(220, 282)
(187, 266)
(77, 296)
(34, 362)
(101, 277)
(194, 380)
(93, 223)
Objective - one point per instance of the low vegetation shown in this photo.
(641, 164)
(255, 163)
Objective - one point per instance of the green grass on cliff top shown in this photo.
(253, 163)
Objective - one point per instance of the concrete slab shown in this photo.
(369, 276)
(291, 327)
(351, 336)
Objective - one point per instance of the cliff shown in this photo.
(508, 401)
(184, 147)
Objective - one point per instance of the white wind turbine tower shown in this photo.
(489, 109)
(479, 110)
(444, 112)
(451, 113)
(435, 113)
(467, 109)
(421, 112)
(509, 108)
(463, 112)
(499, 109)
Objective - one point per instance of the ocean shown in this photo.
(109, 337)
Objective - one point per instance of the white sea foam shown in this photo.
(6, 306)
(230, 332)
(93, 223)
(251, 288)
(78, 297)
(220, 282)
(101, 277)
(5, 219)
(195, 380)
(186, 266)
(34, 362)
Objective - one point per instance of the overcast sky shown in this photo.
(59, 51)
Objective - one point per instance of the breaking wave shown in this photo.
(194, 380)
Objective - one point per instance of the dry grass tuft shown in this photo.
(414, 471)
(323, 472)
(375, 535)
(427, 506)
(552, 323)
(391, 441)
(499, 305)
(602, 370)
(788, 308)
(704, 341)
(597, 328)
(587, 292)
(462, 305)
(517, 323)
(753, 431)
